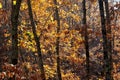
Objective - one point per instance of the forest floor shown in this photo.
(72, 68)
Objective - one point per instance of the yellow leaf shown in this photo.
(33, 49)
(0, 5)
(51, 18)
(101, 40)
(62, 35)
(23, 7)
(42, 1)
(14, 2)
(43, 50)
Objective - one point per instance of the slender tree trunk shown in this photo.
(109, 37)
(104, 35)
(36, 40)
(14, 22)
(57, 41)
(86, 39)
(2, 46)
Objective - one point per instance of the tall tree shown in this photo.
(2, 45)
(57, 41)
(109, 37)
(36, 40)
(14, 22)
(3, 26)
(105, 42)
(86, 39)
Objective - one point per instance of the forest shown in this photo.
(59, 40)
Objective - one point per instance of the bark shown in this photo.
(57, 41)
(104, 35)
(36, 40)
(109, 37)
(2, 46)
(86, 40)
(14, 22)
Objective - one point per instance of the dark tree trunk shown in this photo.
(57, 41)
(86, 39)
(2, 46)
(109, 37)
(105, 45)
(14, 22)
(3, 38)
(36, 40)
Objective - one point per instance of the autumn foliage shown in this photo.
(71, 40)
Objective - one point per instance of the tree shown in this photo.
(15, 22)
(3, 30)
(109, 39)
(105, 42)
(57, 41)
(2, 45)
(86, 39)
(36, 40)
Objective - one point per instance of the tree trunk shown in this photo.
(2, 46)
(36, 40)
(109, 37)
(57, 41)
(14, 22)
(86, 39)
(104, 35)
